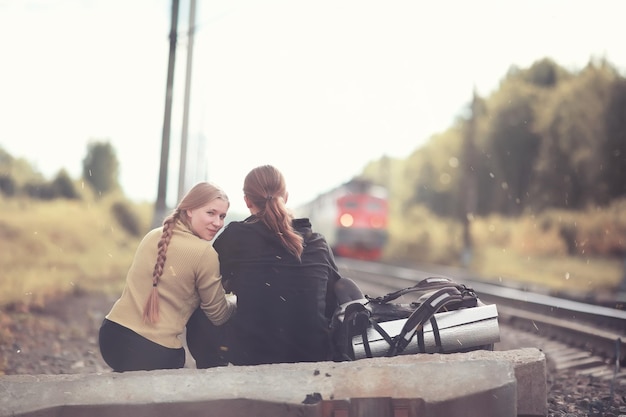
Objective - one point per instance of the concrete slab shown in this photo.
(479, 384)
(530, 372)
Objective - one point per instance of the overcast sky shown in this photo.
(317, 88)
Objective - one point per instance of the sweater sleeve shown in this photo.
(213, 301)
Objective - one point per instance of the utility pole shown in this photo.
(469, 198)
(182, 170)
(160, 206)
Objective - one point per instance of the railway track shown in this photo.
(577, 338)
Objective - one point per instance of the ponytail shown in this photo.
(278, 219)
(265, 187)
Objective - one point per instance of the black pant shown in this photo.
(124, 350)
(210, 345)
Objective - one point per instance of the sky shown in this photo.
(317, 88)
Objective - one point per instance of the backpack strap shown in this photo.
(350, 319)
(381, 331)
(426, 310)
(426, 286)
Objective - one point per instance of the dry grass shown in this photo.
(558, 250)
(583, 252)
(59, 247)
(558, 273)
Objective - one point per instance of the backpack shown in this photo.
(445, 317)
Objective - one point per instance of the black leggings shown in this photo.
(124, 350)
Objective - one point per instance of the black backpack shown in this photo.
(380, 326)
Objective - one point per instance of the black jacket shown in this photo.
(284, 305)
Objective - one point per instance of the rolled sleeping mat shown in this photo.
(452, 331)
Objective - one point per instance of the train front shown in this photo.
(361, 224)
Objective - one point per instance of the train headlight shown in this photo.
(346, 220)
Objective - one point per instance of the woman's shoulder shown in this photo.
(184, 237)
(247, 224)
(235, 232)
(153, 235)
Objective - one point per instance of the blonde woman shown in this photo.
(175, 271)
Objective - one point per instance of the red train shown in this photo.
(353, 217)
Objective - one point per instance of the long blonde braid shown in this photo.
(151, 310)
(199, 195)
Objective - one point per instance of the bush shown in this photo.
(126, 218)
(63, 186)
(39, 190)
(7, 185)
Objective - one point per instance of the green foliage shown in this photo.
(432, 175)
(7, 185)
(547, 138)
(17, 177)
(39, 190)
(63, 186)
(544, 73)
(60, 187)
(571, 169)
(615, 145)
(16, 172)
(101, 167)
(127, 218)
(420, 236)
(513, 147)
(549, 162)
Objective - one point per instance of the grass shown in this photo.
(537, 250)
(59, 247)
(561, 251)
(557, 273)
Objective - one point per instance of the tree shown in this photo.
(543, 73)
(572, 165)
(63, 186)
(514, 146)
(615, 146)
(101, 168)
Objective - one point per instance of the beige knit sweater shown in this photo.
(191, 277)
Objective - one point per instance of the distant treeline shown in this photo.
(546, 138)
(100, 173)
(19, 179)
